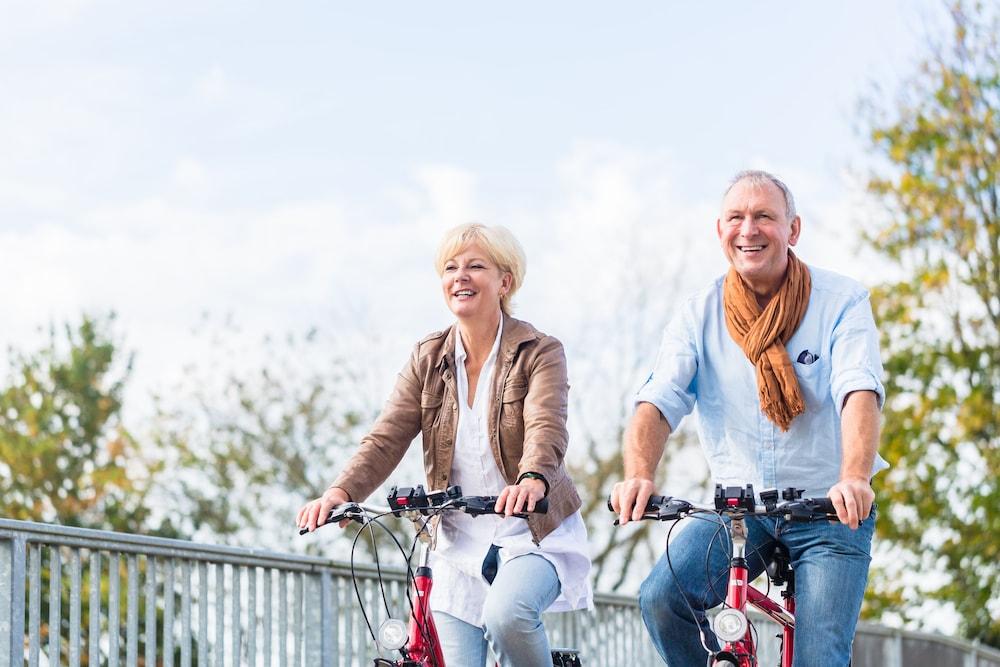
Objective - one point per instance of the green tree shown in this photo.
(65, 455)
(940, 325)
(256, 431)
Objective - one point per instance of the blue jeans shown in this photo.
(831, 570)
(524, 587)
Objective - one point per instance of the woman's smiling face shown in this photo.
(472, 283)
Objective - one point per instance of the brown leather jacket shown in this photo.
(527, 419)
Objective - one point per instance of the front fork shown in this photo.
(731, 625)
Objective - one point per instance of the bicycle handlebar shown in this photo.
(415, 499)
(735, 501)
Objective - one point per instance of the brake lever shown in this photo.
(352, 511)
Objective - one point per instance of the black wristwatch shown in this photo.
(534, 475)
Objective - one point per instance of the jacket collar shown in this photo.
(515, 333)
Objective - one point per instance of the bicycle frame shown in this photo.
(421, 627)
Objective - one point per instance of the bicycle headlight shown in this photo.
(392, 634)
(730, 625)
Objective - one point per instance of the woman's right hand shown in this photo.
(313, 514)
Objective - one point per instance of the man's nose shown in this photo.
(748, 226)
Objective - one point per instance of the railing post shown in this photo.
(313, 620)
(12, 562)
(326, 618)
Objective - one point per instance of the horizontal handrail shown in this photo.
(313, 593)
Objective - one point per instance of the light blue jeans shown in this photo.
(831, 570)
(524, 587)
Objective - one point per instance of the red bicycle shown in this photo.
(731, 625)
(417, 642)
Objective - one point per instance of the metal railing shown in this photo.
(84, 597)
(71, 596)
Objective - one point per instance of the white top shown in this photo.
(464, 540)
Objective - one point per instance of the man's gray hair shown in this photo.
(759, 178)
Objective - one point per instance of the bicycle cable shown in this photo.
(369, 520)
(673, 574)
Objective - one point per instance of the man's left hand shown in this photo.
(852, 498)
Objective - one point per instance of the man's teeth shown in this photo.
(751, 248)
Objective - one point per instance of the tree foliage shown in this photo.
(940, 325)
(65, 455)
(253, 435)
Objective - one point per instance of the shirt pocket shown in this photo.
(814, 381)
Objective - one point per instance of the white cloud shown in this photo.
(190, 174)
(213, 86)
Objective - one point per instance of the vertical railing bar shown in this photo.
(150, 611)
(283, 619)
(94, 610)
(34, 603)
(55, 601)
(202, 613)
(298, 600)
(13, 597)
(335, 621)
(220, 612)
(75, 584)
(349, 636)
(185, 613)
(132, 611)
(327, 648)
(252, 617)
(268, 574)
(168, 613)
(313, 611)
(237, 577)
(114, 600)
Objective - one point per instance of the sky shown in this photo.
(290, 167)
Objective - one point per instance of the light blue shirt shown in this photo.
(834, 352)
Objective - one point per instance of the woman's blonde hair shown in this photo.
(498, 243)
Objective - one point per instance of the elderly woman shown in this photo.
(488, 395)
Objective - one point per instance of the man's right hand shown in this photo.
(313, 514)
(629, 498)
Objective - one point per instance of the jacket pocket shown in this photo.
(430, 409)
(514, 392)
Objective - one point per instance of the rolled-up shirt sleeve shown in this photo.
(856, 362)
(670, 387)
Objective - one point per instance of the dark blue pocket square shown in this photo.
(806, 357)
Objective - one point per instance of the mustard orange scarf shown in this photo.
(763, 333)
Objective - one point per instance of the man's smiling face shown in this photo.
(755, 234)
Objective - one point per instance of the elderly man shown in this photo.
(782, 360)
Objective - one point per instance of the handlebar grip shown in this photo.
(541, 507)
(336, 515)
(652, 504)
(810, 509)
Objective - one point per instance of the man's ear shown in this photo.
(793, 238)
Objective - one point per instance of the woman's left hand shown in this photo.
(520, 497)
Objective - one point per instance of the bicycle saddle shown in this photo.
(779, 566)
